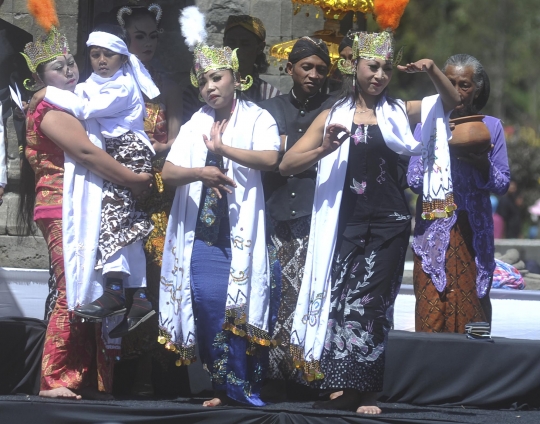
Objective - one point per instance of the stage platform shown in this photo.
(32, 409)
(429, 378)
(516, 313)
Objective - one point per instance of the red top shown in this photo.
(47, 161)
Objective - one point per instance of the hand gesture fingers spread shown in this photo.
(334, 136)
(209, 143)
(215, 144)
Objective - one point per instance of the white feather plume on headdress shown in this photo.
(193, 26)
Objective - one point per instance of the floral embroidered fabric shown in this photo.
(471, 194)
(373, 200)
(212, 210)
(367, 270)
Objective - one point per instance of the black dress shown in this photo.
(374, 228)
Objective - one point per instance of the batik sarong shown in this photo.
(366, 281)
(232, 370)
(290, 241)
(458, 304)
(123, 222)
(74, 354)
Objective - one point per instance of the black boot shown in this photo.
(141, 309)
(111, 303)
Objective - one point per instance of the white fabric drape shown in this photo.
(116, 103)
(81, 220)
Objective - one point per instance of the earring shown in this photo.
(33, 85)
(246, 83)
(234, 95)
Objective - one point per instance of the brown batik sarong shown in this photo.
(458, 304)
(123, 222)
(290, 240)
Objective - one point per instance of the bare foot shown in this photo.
(336, 395)
(368, 404)
(212, 402)
(60, 392)
(94, 394)
(348, 401)
(370, 410)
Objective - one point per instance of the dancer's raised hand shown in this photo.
(422, 65)
(334, 136)
(215, 144)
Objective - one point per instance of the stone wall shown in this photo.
(278, 18)
(280, 22)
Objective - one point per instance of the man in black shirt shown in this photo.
(289, 200)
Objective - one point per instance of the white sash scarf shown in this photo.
(248, 289)
(313, 306)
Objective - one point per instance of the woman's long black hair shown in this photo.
(27, 185)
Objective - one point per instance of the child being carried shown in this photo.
(112, 97)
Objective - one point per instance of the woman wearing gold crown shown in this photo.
(215, 274)
(360, 223)
(75, 359)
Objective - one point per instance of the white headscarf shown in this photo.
(135, 66)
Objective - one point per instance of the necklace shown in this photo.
(362, 111)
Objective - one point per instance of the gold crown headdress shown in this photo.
(126, 10)
(377, 45)
(48, 47)
(45, 48)
(205, 57)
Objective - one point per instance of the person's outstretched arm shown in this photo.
(263, 159)
(68, 134)
(113, 97)
(313, 146)
(449, 95)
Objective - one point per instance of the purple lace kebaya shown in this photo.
(471, 194)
